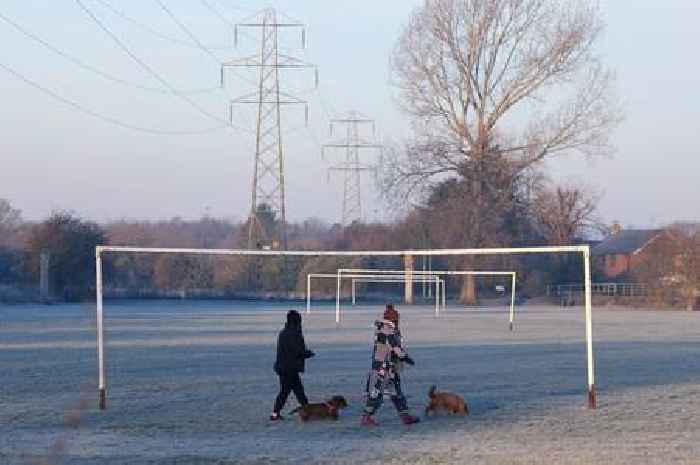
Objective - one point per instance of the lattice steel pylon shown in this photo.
(352, 166)
(268, 189)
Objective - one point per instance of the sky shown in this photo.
(55, 157)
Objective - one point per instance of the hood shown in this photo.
(293, 320)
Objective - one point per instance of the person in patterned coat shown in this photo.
(387, 357)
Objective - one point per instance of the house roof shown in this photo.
(625, 242)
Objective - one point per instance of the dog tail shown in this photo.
(431, 392)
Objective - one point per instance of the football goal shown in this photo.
(581, 250)
(411, 275)
(373, 279)
(366, 277)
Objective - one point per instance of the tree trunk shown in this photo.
(408, 286)
(468, 294)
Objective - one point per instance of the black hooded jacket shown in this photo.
(291, 349)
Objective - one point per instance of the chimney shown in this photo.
(615, 228)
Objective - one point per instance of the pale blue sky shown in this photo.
(54, 157)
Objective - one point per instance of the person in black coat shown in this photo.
(291, 356)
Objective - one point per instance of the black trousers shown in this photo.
(290, 382)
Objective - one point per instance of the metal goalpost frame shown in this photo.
(439, 284)
(398, 279)
(419, 273)
(310, 276)
(584, 250)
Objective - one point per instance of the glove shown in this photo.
(309, 354)
(409, 360)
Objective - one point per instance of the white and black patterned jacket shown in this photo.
(388, 352)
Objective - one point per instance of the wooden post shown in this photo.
(408, 267)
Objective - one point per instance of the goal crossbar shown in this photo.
(583, 250)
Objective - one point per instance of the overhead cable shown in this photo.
(81, 64)
(152, 72)
(100, 116)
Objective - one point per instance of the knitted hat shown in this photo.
(391, 314)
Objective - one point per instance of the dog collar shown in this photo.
(331, 408)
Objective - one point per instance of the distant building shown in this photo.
(618, 255)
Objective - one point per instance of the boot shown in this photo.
(276, 417)
(368, 420)
(409, 419)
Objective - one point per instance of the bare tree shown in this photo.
(10, 219)
(565, 213)
(469, 70)
(497, 83)
(670, 265)
(685, 243)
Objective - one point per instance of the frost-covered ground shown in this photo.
(191, 383)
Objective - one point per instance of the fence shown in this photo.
(598, 289)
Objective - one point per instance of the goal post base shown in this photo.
(592, 401)
(102, 399)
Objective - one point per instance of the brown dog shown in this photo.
(446, 402)
(322, 411)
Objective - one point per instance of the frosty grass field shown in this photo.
(191, 383)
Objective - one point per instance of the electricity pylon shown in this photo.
(268, 190)
(352, 166)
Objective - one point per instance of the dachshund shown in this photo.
(446, 402)
(321, 411)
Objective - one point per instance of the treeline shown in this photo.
(70, 242)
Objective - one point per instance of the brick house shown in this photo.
(618, 255)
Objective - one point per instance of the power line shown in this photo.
(218, 14)
(97, 115)
(155, 32)
(194, 38)
(232, 25)
(238, 31)
(151, 71)
(81, 64)
(227, 6)
(189, 33)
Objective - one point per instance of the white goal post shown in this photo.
(408, 274)
(583, 250)
(377, 278)
(369, 279)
